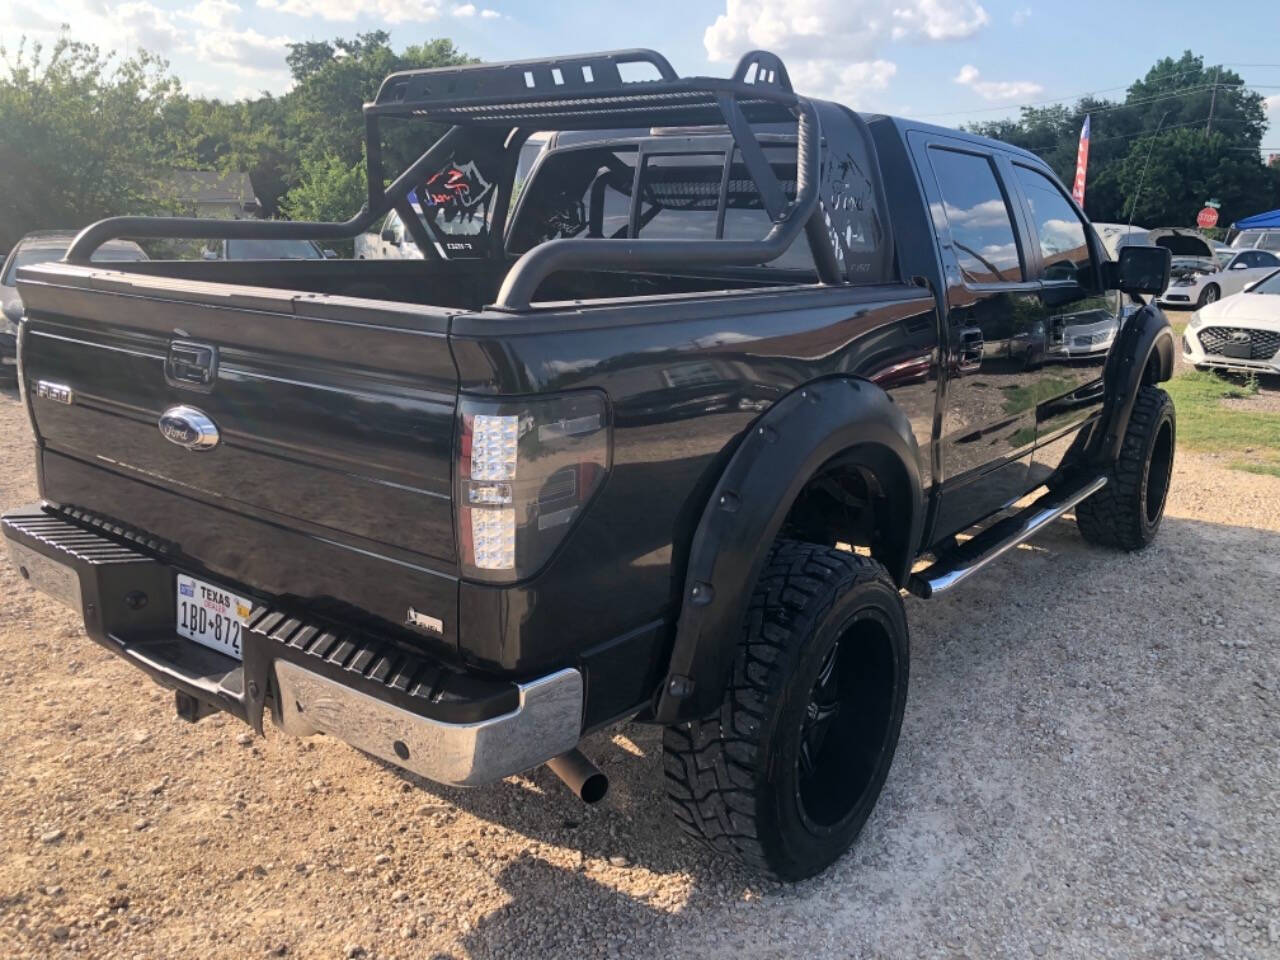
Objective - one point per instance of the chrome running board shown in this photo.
(972, 555)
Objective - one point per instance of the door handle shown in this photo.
(969, 356)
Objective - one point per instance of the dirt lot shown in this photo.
(1090, 767)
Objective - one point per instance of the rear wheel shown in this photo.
(1126, 513)
(1208, 295)
(785, 774)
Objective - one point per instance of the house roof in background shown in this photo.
(211, 186)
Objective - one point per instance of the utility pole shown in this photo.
(1213, 99)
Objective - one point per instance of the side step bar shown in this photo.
(970, 557)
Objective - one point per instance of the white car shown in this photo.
(1199, 285)
(1117, 235)
(1239, 333)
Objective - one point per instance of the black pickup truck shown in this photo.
(694, 378)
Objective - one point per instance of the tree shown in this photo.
(330, 190)
(1201, 125)
(84, 136)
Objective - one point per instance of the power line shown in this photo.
(1091, 93)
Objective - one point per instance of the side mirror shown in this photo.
(389, 236)
(330, 253)
(1139, 270)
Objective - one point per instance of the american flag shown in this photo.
(1082, 162)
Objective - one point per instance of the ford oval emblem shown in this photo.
(189, 427)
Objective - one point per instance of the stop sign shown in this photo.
(1206, 218)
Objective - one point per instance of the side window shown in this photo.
(1250, 259)
(1061, 232)
(976, 212)
(1267, 259)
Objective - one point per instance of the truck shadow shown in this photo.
(1100, 641)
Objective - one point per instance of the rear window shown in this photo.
(976, 215)
(589, 193)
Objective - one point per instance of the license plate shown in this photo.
(1237, 351)
(212, 615)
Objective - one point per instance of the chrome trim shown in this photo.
(189, 428)
(57, 580)
(547, 723)
(942, 576)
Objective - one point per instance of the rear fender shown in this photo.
(841, 417)
(1143, 354)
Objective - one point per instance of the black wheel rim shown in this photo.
(847, 728)
(1159, 472)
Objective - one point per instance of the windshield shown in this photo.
(272, 250)
(32, 254)
(1270, 285)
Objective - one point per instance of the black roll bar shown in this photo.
(579, 92)
(546, 258)
(180, 228)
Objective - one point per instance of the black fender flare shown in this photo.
(1143, 353)
(774, 460)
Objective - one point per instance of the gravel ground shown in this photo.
(1090, 767)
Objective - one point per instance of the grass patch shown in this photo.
(1205, 424)
(1017, 399)
(1266, 469)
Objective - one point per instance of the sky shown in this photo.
(950, 61)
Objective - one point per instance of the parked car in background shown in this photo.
(389, 242)
(1240, 332)
(1199, 286)
(256, 249)
(41, 247)
(1117, 235)
(1257, 239)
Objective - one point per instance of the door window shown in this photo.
(976, 212)
(1061, 232)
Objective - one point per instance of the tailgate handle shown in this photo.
(191, 364)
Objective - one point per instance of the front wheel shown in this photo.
(1126, 513)
(1208, 295)
(784, 775)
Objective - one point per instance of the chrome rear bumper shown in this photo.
(546, 723)
(385, 699)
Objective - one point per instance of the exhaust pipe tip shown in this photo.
(587, 781)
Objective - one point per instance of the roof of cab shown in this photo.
(905, 125)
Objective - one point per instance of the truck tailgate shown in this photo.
(330, 481)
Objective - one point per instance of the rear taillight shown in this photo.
(525, 470)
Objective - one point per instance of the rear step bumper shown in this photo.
(315, 677)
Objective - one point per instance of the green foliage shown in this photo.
(1206, 423)
(89, 135)
(1189, 164)
(330, 189)
(85, 136)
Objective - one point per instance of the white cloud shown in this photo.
(970, 77)
(1272, 106)
(1020, 16)
(847, 83)
(205, 32)
(833, 48)
(939, 20)
(470, 10)
(487, 14)
(390, 11)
